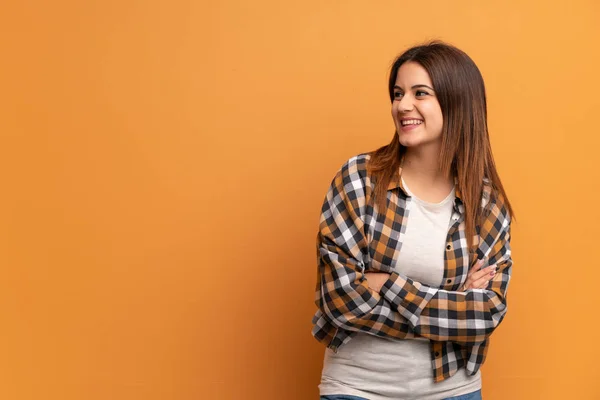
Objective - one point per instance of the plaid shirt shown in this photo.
(354, 238)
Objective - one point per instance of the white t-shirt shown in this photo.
(382, 369)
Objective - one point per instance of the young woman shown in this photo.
(414, 252)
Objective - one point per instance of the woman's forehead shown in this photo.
(411, 73)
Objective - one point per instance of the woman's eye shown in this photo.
(420, 92)
(397, 94)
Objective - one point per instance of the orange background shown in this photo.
(163, 165)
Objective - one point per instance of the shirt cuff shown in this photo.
(409, 297)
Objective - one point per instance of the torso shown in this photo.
(378, 368)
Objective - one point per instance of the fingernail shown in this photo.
(492, 273)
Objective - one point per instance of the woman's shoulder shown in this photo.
(494, 202)
(355, 166)
(353, 173)
(357, 163)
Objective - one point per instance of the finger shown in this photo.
(482, 283)
(469, 283)
(477, 266)
(466, 285)
(478, 274)
(486, 271)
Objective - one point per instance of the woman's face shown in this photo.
(416, 111)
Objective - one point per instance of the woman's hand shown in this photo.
(376, 280)
(479, 278)
(476, 279)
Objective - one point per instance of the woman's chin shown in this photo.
(417, 141)
(406, 142)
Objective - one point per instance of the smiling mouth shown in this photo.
(411, 122)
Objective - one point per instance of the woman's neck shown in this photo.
(424, 164)
(421, 172)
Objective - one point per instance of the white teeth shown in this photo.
(411, 122)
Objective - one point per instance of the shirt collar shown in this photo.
(396, 182)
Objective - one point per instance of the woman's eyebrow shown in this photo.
(414, 87)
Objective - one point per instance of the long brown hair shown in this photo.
(466, 153)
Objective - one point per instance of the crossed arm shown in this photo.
(393, 305)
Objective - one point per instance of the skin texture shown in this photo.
(411, 100)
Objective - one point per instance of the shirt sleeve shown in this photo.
(343, 294)
(467, 317)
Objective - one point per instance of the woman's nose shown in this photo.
(406, 104)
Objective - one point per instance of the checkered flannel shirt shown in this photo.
(354, 238)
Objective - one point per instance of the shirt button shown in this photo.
(437, 353)
(449, 247)
(449, 281)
